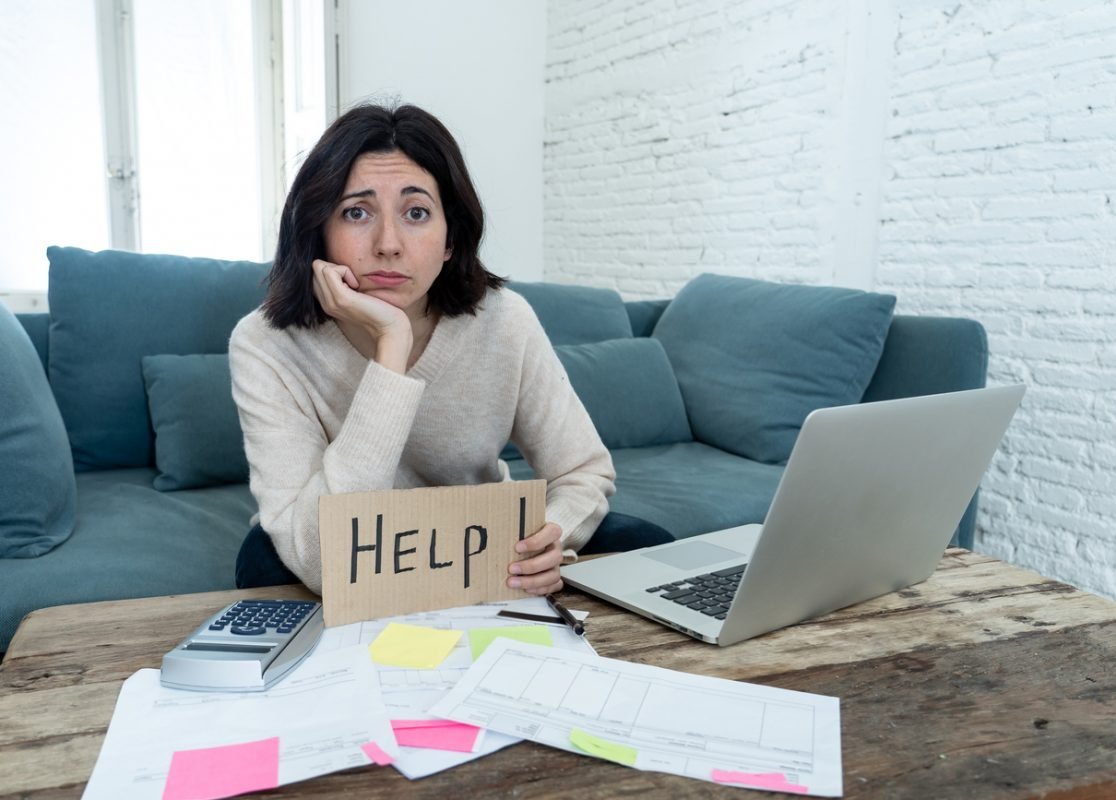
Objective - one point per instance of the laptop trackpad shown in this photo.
(693, 555)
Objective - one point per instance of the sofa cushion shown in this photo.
(576, 314)
(110, 309)
(198, 441)
(37, 490)
(629, 390)
(131, 541)
(754, 358)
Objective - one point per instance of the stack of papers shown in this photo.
(425, 692)
(169, 744)
(653, 719)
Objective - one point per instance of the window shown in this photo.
(198, 129)
(153, 126)
(54, 171)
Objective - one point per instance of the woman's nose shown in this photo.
(388, 241)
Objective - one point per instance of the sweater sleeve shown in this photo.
(291, 460)
(558, 439)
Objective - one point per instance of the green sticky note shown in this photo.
(603, 748)
(412, 646)
(481, 638)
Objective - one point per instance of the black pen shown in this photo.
(566, 616)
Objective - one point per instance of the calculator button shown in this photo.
(217, 626)
(248, 630)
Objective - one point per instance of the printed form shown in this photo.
(653, 718)
(409, 693)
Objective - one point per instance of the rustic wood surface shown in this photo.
(986, 681)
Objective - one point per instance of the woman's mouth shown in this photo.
(386, 278)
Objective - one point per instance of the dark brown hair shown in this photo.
(318, 187)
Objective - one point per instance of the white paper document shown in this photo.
(323, 713)
(653, 718)
(409, 693)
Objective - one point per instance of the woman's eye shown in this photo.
(417, 214)
(354, 214)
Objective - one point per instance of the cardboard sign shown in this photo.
(404, 550)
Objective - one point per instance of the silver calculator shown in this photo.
(245, 647)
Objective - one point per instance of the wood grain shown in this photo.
(986, 681)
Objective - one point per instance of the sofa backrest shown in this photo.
(644, 315)
(921, 355)
(110, 309)
(37, 325)
(576, 314)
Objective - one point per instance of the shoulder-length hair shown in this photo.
(318, 187)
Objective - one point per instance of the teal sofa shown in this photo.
(122, 472)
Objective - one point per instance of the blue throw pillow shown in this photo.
(198, 441)
(629, 390)
(576, 314)
(38, 494)
(753, 358)
(110, 309)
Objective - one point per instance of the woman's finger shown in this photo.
(547, 535)
(547, 560)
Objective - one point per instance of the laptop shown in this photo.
(867, 504)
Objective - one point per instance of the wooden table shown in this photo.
(986, 681)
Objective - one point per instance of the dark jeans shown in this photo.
(257, 563)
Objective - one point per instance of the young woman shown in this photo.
(386, 356)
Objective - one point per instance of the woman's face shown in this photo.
(389, 228)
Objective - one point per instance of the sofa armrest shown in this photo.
(929, 355)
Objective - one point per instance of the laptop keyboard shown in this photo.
(710, 593)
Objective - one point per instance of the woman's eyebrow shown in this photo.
(361, 193)
(415, 190)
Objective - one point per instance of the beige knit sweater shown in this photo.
(319, 418)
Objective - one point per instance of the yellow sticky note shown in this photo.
(412, 646)
(481, 638)
(603, 748)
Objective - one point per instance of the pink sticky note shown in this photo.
(435, 734)
(214, 772)
(775, 781)
(373, 751)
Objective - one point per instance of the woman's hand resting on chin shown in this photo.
(375, 327)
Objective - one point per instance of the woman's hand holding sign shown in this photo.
(538, 574)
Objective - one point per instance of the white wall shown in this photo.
(961, 156)
(479, 68)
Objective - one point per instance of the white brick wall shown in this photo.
(741, 138)
(684, 138)
(999, 184)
